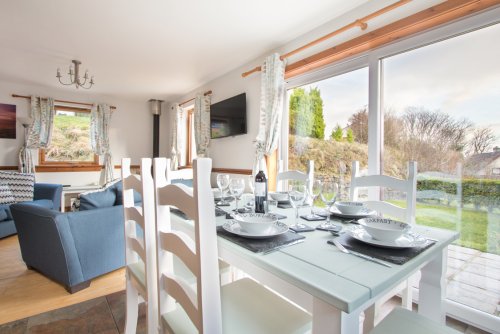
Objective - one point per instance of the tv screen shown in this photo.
(229, 117)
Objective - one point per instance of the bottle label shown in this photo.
(260, 189)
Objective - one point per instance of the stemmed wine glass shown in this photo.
(223, 184)
(236, 187)
(314, 192)
(329, 196)
(297, 195)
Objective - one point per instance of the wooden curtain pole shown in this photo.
(62, 101)
(204, 94)
(361, 23)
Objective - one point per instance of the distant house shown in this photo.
(484, 165)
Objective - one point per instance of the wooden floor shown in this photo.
(24, 293)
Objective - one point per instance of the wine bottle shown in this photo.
(260, 190)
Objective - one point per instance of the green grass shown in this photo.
(70, 139)
(478, 229)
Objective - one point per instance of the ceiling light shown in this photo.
(74, 76)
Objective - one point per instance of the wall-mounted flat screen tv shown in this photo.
(229, 117)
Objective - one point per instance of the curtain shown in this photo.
(176, 141)
(100, 117)
(202, 124)
(271, 108)
(39, 132)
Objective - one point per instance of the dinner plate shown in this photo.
(234, 227)
(364, 212)
(405, 241)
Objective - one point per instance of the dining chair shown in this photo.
(282, 176)
(140, 253)
(243, 306)
(404, 213)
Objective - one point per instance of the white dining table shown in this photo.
(336, 287)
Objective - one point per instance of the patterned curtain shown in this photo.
(176, 141)
(100, 118)
(39, 132)
(202, 124)
(271, 108)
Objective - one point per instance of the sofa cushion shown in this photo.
(6, 196)
(22, 185)
(97, 199)
(119, 194)
(46, 203)
(3, 215)
(6, 209)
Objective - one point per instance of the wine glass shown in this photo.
(223, 184)
(329, 196)
(314, 192)
(297, 195)
(236, 187)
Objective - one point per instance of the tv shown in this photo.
(229, 117)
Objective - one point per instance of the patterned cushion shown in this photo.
(22, 185)
(6, 196)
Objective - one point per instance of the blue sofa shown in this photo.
(72, 248)
(45, 194)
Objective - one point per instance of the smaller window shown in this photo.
(189, 145)
(70, 143)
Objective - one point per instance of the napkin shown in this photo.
(260, 245)
(393, 255)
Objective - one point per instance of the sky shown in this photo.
(459, 76)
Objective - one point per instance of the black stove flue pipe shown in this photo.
(156, 111)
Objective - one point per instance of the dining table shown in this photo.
(335, 287)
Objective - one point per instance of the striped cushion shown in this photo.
(21, 185)
(6, 196)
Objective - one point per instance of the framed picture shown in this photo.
(7, 121)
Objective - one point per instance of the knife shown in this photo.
(282, 246)
(363, 256)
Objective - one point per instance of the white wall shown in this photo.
(130, 133)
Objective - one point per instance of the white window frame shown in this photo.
(373, 59)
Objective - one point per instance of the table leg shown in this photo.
(432, 288)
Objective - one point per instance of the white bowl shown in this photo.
(279, 196)
(349, 208)
(384, 229)
(258, 223)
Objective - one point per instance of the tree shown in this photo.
(358, 123)
(301, 120)
(481, 141)
(349, 135)
(318, 127)
(337, 133)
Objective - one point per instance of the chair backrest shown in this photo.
(140, 242)
(306, 177)
(201, 303)
(407, 186)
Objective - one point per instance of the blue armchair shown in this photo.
(45, 194)
(71, 248)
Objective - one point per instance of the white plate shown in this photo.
(365, 212)
(405, 241)
(234, 227)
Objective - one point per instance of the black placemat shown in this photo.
(260, 245)
(393, 255)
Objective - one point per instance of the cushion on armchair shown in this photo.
(21, 185)
(6, 196)
(97, 199)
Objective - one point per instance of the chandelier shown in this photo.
(74, 76)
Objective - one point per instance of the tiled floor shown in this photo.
(106, 315)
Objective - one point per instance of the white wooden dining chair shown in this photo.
(239, 307)
(140, 253)
(406, 214)
(282, 176)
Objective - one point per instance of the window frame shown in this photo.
(67, 166)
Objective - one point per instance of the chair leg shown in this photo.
(369, 321)
(132, 309)
(78, 287)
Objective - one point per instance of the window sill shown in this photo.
(68, 168)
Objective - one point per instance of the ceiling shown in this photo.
(149, 49)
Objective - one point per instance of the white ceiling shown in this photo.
(153, 48)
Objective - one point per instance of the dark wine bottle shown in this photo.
(260, 190)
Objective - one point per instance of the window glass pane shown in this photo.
(328, 123)
(70, 138)
(441, 110)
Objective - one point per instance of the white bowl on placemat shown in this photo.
(384, 229)
(349, 208)
(256, 222)
(279, 196)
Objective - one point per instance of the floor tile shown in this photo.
(15, 327)
(117, 305)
